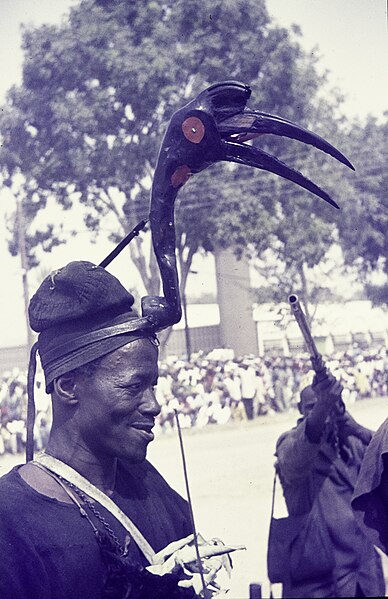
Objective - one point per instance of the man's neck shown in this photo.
(101, 472)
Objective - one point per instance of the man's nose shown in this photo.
(150, 403)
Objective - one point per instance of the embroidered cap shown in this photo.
(81, 313)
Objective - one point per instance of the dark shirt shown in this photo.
(370, 498)
(49, 551)
(315, 478)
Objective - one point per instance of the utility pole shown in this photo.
(187, 328)
(21, 232)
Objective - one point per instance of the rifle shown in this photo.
(315, 356)
(321, 371)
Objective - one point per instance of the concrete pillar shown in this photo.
(237, 328)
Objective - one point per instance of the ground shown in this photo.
(230, 471)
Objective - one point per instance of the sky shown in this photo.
(352, 40)
(349, 36)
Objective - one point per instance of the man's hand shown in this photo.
(328, 391)
(319, 367)
(348, 426)
(180, 557)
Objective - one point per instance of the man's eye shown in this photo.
(136, 388)
(132, 388)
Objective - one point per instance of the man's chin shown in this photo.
(132, 457)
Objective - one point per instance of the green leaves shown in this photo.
(364, 229)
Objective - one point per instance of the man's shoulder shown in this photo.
(11, 490)
(287, 434)
(9, 479)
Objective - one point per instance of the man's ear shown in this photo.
(64, 388)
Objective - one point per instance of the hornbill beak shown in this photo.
(217, 123)
(250, 124)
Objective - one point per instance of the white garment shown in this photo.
(248, 382)
(233, 386)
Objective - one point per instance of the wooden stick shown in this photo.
(123, 243)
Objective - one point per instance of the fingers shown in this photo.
(322, 385)
(160, 557)
(188, 554)
(180, 557)
(317, 363)
(328, 390)
(336, 388)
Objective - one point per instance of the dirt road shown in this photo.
(231, 474)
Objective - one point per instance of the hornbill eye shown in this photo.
(193, 129)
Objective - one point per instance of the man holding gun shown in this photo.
(318, 462)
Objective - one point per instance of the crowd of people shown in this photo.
(215, 391)
(209, 390)
(13, 412)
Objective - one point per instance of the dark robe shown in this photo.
(314, 477)
(49, 551)
(370, 497)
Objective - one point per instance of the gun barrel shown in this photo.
(304, 327)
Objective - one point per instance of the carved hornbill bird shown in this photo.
(211, 128)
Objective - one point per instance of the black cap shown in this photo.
(82, 312)
(78, 290)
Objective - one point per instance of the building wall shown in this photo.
(201, 339)
(238, 330)
(208, 338)
(13, 357)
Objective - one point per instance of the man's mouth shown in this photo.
(144, 427)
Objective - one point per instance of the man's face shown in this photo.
(307, 401)
(117, 405)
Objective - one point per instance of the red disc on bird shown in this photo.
(193, 129)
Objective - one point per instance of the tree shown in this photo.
(363, 230)
(98, 90)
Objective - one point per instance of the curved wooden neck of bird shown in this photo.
(211, 128)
